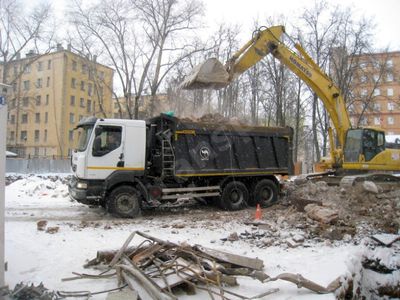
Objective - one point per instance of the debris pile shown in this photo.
(24, 291)
(53, 186)
(215, 118)
(158, 269)
(374, 273)
(339, 211)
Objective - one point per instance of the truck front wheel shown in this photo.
(265, 193)
(234, 196)
(124, 201)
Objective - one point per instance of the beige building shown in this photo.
(51, 93)
(161, 105)
(377, 88)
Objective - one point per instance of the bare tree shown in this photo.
(165, 22)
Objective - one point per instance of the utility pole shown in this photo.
(3, 131)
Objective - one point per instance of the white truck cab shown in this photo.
(102, 149)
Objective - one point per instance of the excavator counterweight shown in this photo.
(209, 75)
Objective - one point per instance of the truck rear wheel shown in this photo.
(234, 196)
(124, 201)
(265, 193)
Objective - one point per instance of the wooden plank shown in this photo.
(146, 253)
(243, 261)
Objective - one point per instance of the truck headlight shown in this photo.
(81, 185)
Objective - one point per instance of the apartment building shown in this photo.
(50, 94)
(161, 104)
(377, 92)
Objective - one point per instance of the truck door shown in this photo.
(107, 152)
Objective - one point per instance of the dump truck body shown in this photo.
(169, 158)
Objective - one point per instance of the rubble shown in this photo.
(155, 268)
(321, 214)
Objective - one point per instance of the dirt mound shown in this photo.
(360, 209)
(214, 119)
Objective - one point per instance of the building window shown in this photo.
(376, 77)
(37, 118)
(377, 120)
(47, 99)
(48, 82)
(82, 102)
(49, 64)
(36, 152)
(390, 106)
(27, 69)
(101, 75)
(39, 83)
(390, 92)
(71, 118)
(84, 68)
(363, 65)
(26, 85)
(15, 69)
(390, 120)
(12, 104)
(25, 102)
(377, 106)
(12, 135)
(389, 77)
(90, 89)
(72, 100)
(45, 135)
(14, 87)
(377, 92)
(389, 63)
(74, 65)
(24, 118)
(12, 120)
(38, 100)
(89, 106)
(37, 135)
(363, 79)
(71, 135)
(73, 83)
(46, 117)
(40, 66)
(364, 93)
(24, 136)
(82, 85)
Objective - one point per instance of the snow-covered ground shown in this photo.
(36, 256)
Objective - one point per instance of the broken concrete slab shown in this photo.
(322, 214)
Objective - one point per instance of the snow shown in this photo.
(36, 256)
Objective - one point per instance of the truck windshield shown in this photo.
(84, 136)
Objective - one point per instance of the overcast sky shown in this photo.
(384, 12)
(243, 12)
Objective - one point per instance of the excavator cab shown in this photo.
(362, 145)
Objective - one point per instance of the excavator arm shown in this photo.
(268, 41)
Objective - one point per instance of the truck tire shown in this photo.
(234, 196)
(265, 193)
(124, 201)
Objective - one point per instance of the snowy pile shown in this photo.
(287, 238)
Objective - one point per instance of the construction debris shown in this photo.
(156, 268)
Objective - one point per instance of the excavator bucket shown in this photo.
(209, 75)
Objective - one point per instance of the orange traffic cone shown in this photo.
(258, 213)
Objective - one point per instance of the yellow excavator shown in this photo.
(357, 150)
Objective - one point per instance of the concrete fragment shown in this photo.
(321, 214)
(52, 230)
(41, 225)
(298, 238)
(370, 187)
(233, 237)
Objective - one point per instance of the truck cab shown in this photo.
(103, 154)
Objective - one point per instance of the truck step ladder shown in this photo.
(168, 159)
